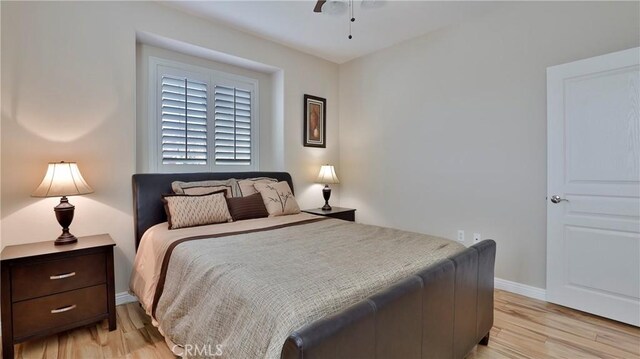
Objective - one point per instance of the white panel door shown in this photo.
(593, 207)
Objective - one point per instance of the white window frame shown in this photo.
(159, 67)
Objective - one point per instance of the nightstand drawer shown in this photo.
(50, 277)
(57, 310)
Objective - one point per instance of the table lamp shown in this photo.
(327, 176)
(61, 180)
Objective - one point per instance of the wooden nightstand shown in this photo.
(48, 289)
(347, 214)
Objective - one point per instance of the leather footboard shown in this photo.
(441, 312)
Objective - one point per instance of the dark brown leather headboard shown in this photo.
(148, 188)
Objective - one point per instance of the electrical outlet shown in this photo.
(477, 237)
(461, 235)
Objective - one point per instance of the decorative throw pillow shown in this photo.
(278, 198)
(247, 186)
(206, 187)
(247, 207)
(190, 211)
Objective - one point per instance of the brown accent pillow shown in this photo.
(247, 207)
(190, 211)
(278, 198)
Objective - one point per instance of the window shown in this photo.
(232, 120)
(201, 119)
(183, 121)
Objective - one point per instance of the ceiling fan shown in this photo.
(335, 7)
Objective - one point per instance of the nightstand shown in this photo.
(47, 289)
(347, 214)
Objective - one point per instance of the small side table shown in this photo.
(346, 214)
(47, 289)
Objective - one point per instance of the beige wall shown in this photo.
(448, 131)
(68, 93)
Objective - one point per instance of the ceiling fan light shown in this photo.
(334, 7)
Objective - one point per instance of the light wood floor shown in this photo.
(524, 328)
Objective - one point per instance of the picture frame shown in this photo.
(315, 122)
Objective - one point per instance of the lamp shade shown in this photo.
(327, 175)
(62, 179)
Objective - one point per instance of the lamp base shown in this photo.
(64, 215)
(65, 238)
(326, 193)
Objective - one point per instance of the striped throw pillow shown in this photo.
(247, 207)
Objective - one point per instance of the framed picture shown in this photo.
(315, 122)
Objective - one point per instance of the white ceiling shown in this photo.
(294, 24)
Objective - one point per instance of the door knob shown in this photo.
(557, 199)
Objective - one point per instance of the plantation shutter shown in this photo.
(232, 122)
(184, 121)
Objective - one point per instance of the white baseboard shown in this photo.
(522, 289)
(125, 297)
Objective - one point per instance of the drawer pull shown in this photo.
(62, 276)
(63, 309)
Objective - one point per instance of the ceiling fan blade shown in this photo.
(319, 4)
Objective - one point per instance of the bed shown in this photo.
(427, 307)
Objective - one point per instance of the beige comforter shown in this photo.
(246, 293)
(157, 239)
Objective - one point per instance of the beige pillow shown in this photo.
(278, 198)
(206, 187)
(247, 186)
(197, 191)
(190, 211)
